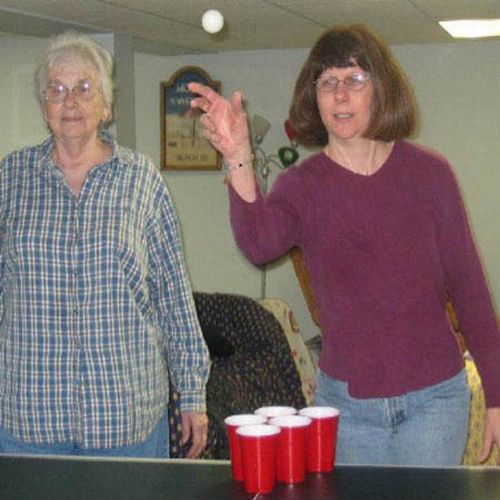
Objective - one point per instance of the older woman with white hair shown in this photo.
(96, 309)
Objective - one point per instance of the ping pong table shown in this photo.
(65, 478)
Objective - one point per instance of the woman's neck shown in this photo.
(363, 157)
(71, 155)
(75, 160)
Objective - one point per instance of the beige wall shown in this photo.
(458, 88)
(20, 120)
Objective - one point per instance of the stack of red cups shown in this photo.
(279, 443)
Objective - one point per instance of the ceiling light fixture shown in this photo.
(472, 28)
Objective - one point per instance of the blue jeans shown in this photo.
(427, 427)
(156, 445)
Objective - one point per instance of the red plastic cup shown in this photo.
(259, 446)
(292, 445)
(322, 437)
(232, 423)
(276, 411)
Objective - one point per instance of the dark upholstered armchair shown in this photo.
(252, 366)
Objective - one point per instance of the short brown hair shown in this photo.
(394, 113)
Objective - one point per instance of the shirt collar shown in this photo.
(119, 154)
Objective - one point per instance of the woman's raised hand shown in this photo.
(225, 123)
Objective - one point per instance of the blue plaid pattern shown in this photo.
(95, 303)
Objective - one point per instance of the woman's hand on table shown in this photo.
(194, 426)
(491, 432)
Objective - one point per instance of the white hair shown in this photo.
(75, 48)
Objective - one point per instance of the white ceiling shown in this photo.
(173, 26)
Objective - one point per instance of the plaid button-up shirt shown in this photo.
(95, 303)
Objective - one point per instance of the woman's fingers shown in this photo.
(203, 90)
(208, 123)
(237, 102)
(224, 122)
(200, 103)
(207, 95)
(209, 129)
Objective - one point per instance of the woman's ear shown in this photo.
(45, 117)
(106, 116)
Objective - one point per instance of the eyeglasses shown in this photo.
(84, 91)
(354, 82)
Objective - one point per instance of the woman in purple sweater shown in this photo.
(385, 238)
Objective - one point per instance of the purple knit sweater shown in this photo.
(384, 252)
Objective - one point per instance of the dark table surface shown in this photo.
(106, 479)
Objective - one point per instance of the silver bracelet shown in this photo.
(230, 168)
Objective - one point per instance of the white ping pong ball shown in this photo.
(212, 21)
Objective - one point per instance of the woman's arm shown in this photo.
(264, 227)
(471, 299)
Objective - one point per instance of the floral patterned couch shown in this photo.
(476, 419)
(300, 352)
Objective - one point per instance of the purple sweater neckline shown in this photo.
(385, 167)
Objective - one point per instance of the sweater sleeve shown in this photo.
(186, 351)
(268, 227)
(466, 285)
